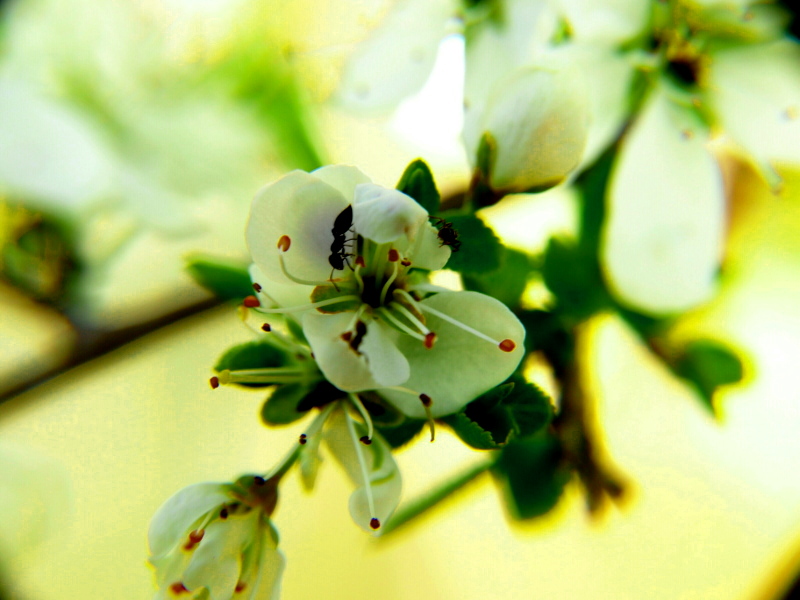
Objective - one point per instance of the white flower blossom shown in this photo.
(215, 541)
(345, 258)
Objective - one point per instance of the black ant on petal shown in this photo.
(341, 227)
(448, 236)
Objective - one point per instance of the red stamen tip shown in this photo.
(394, 255)
(430, 338)
(426, 400)
(256, 287)
(251, 302)
(507, 345)
(374, 523)
(266, 327)
(365, 440)
(303, 438)
(178, 588)
(347, 336)
(240, 587)
(194, 539)
(223, 514)
(214, 381)
(405, 262)
(284, 243)
(360, 261)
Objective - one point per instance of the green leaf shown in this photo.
(709, 365)
(281, 408)
(481, 250)
(532, 475)
(470, 432)
(507, 283)
(402, 434)
(251, 355)
(530, 408)
(573, 276)
(227, 279)
(417, 182)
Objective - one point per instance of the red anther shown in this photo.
(251, 302)
(364, 439)
(194, 539)
(214, 381)
(394, 255)
(240, 587)
(405, 262)
(347, 336)
(223, 514)
(303, 438)
(430, 338)
(256, 287)
(426, 400)
(266, 327)
(507, 345)
(374, 523)
(178, 588)
(360, 261)
(284, 243)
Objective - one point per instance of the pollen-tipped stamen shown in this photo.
(393, 258)
(426, 404)
(411, 317)
(363, 464)
(282, 249)
(302, 307)
(400, 325)
(364, 414)
(505, 345)
(268, 376)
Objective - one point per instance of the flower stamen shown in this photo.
(505, 345)
(268, 376)
(392, 277)
(400, 325)
(426, 404)
(364, 415)
(283, 246)
(302, 307)
(374, 523)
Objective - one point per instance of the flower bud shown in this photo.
(538, 119)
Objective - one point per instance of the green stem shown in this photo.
(416, 507)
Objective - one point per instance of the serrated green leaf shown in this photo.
(226, 279)
(532, 475)
(709, 365)
(281, 408)
(470, 432)
(417, 181)
(481, 251)
(530, 408)
(402, 434)
(506, 283)
(251, 355)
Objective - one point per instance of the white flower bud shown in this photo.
(538, 118)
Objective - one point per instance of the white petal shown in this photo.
(382, 471)
(217, 562)
(755, 91)
(539, 120)
(665, 224)
(396, 60)
(304, 208)
(605, 20)
(267, 585)
(377, 363)
(279, 293)
(427, 251)
(172, 522)
(343, 178)
(460, 366)
(384, 215)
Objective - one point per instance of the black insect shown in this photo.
(447, 235)
(339, 255)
